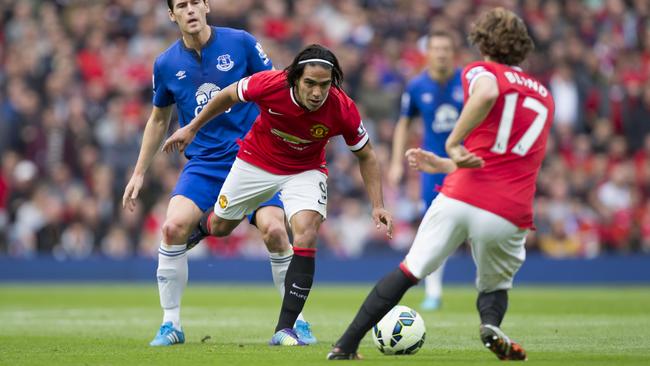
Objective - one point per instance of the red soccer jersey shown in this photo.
(288, 139)
(511, 140)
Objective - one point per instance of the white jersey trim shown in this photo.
(240, 89)
(478, 76)
(359, 145)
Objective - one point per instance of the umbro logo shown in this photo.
(276, 113)
(181, 75)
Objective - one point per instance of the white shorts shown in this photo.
(248, 186)
(497, 244)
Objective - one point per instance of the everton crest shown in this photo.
(225, 63)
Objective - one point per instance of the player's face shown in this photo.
(313, 86)
(190, 15)
(440, 53)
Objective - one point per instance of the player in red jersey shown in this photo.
(301, 108)
(488, 196)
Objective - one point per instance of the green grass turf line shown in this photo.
(111, 324)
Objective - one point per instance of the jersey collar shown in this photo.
(213, 36)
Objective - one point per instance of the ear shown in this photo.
(207, 6)
(172, 17)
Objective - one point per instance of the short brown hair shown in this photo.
(502, 36)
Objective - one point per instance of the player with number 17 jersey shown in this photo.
(289, 139)
(511, 140)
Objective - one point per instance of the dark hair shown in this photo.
(314, 51)
(501, 35)
(170, 3)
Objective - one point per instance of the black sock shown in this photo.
(204, 222)
(383, 297)
(492, 306)
(297, 283)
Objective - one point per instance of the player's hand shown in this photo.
(381, 216)
(179, 140)
(395, 173)
(463, 158)
(426, 161)
(132, 190)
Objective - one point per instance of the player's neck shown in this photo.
(440, 76)
(198, 40)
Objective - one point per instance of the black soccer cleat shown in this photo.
(337, 354)
(498, 342)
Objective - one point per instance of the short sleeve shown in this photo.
(354, 133)
(257, 60)
(162, 97)
(472, 73)
(251, 88)
(408, 108)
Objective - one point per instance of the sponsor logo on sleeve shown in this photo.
(469, 75)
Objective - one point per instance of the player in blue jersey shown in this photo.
(189, 73)
(436, 96)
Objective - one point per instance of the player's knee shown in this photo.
(174, 232)
(306, 238)
(276, 238)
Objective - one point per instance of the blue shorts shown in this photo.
(430, 184)
(201, 181)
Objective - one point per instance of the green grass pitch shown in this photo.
(231, 325)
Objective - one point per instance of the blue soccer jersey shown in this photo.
(439, 105)
(183, 77)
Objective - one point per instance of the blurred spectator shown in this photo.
(73, 105)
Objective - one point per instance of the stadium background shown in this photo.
(75, 93)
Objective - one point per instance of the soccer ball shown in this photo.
(400, 332)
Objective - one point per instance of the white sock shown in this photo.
(279, 265)
(172, 279)
(433, 283)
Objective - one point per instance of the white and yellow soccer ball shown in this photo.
(400, 332)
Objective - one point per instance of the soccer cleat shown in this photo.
(498, 342)
(167, 336)
(195, 237)
(286, 337)
(431, 304)
(337, 354)
(303, 331)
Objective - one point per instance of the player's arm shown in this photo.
(400, 138)
(220, 103)
(369, 168)
(483, 94)
(428, 162)
(154, 132)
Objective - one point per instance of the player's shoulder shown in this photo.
(418, 80)
(233, 34)
(170, 54)
(475, 68)
(342, 100)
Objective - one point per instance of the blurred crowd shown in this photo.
(75, 92)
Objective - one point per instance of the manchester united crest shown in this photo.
(223, 201)
(319, 131)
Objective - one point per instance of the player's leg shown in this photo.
(182, 216)
(430, 184)
(442, 230)
(246, 187)
(433, 289)
(269, 219)
(498, 251)
(305, 203)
